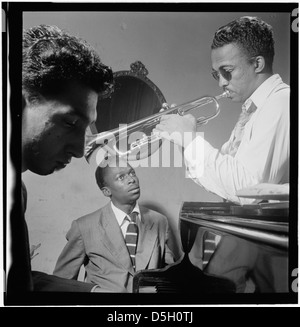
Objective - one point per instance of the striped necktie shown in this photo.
(209, 247)
(131, 237)
(238, 131)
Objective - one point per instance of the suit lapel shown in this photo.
(112, 238)
(147, 237)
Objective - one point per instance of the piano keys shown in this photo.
(180, 277)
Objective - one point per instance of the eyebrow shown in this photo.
(125, 173)
(226, 65)
(83, 117)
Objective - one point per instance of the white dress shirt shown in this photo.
(122, 217)
(264, 152)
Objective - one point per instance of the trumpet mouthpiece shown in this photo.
(226, 94)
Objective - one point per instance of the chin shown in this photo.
(41, 166)
(57, 169)
(235, 99)
(47, 170)
(238, 98)
(136, 197)
(41, 170)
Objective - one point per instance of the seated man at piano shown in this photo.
(257, 151)
(119, 239)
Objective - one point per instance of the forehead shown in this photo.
(78, 100)
(229, 54)
(113, 171)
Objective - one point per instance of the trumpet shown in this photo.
(136, 140)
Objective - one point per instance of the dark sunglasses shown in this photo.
(225, 74)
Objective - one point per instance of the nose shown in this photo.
(130, 179)
(222, 81)
(77, 146)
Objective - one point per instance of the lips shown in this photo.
(60, 165)
(134, 190)
(63, 164)
(67, 161)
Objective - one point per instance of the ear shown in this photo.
(106, 191)
(259, 64)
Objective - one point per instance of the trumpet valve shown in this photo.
(146, 139)
(180, 111)
(165, 106)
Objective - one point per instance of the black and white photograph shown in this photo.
(147, 156)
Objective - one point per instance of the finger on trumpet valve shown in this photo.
(180, 112)
(164, 107)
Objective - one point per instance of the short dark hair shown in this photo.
(109, 161)
(251, 34)
(52, 57)
(99, 174)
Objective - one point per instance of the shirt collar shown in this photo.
(247, 104)
(259, 96)
(121, 215)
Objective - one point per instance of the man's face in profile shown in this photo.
(53, 128)
(236, 73)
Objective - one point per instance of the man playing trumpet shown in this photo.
(258, 150)
(242, 56)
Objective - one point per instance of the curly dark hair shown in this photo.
(251, 34)
(52, 57)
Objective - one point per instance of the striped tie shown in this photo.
(131, 237)
(239, 128)
(209, 246)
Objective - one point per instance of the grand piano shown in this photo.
(261, 228)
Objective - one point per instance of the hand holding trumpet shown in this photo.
(178, 129)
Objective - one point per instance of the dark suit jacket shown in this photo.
(240, 260)
(20, 277)
(96, 241)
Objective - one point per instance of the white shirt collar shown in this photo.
(121, 215)
(259, 96)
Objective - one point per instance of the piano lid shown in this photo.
(267, 223)
(266, 191)
(276, 212)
